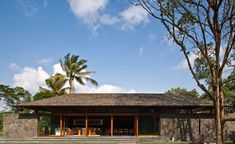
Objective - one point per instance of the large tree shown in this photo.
(76, 69)
(206, 27)
(14, 96)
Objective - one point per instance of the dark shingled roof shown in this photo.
(119, 99)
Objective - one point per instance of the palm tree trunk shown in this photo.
(71, 84)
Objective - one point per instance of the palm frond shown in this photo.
(86, 73)
(81, 62)
(81, 69)
(92, 81)
(42, 89)
(74, 58)
(79, 80)
(74, 68)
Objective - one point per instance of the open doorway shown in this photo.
(123, 125)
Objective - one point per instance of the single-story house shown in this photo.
(167, 116)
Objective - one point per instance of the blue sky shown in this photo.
(128, 49)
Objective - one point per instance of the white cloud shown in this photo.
(141, 50)
(45, 61)
(152, 37)
(30, 78)
(57, 69)
(105, 88)
(108, 20)
(94, 29)
(91, 12)
(183, 64)
(88, 10)
(133, 16)
(29, 7)
(14, 66)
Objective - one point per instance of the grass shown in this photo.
(15, 142)
(57, 143)
(164, 142)
(92, 142)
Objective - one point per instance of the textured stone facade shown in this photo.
(192, 127)
(187, 128)
(230, 129)
(16, 125)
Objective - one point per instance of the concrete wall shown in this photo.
(16, 125)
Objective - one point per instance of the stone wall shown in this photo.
(230, 128)
(16, 125)
(186, 127)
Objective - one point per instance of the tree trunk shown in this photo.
(219, 133)
(218, 114)
(71, 84)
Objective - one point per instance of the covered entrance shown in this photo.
(96, 125)
(93, 125)
(99, 124)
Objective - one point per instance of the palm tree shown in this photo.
(76, 69)
(56, 84)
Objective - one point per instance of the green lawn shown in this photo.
(168, 142)
(91, 143)
(164, 142)
(25, 142)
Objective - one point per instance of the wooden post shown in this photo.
(86, 122)
(61, 124)
(38, 124)
(112, 125)
(64, 124)
(137, 124)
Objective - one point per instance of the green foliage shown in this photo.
(183, 91)
(229, 89)
(201, 65)
(76, 69)
(14, 96)
(44, 123)
(43, 94)
(56, 84)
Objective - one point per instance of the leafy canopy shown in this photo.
(43, 94)
(14, 96)
(183, 91)
(56, 84)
